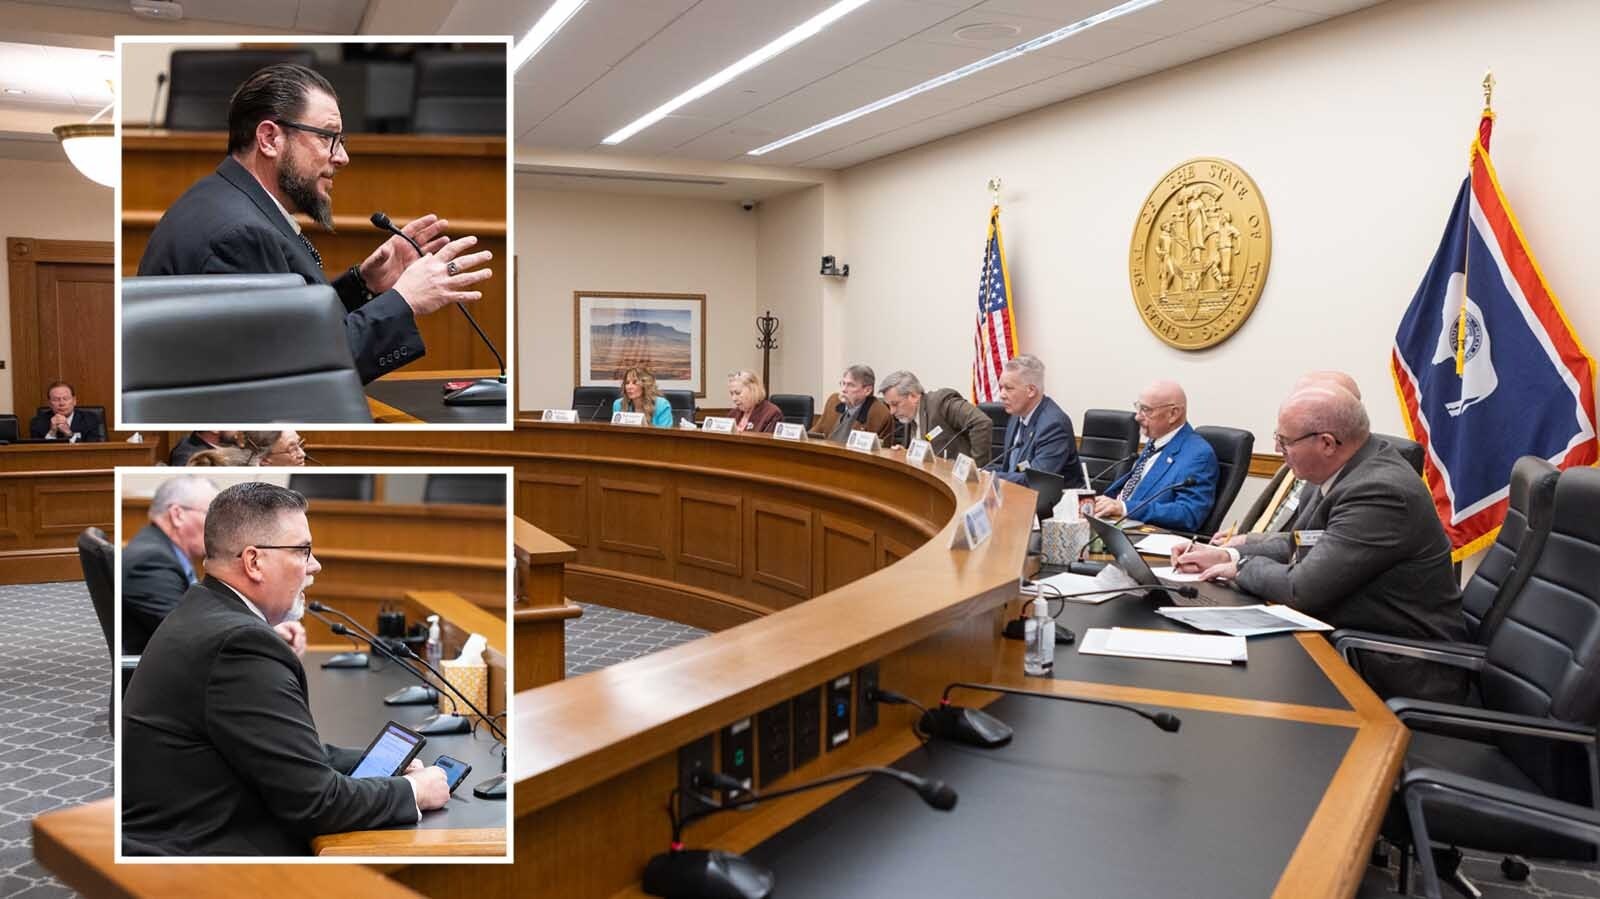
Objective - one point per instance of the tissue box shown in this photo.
(472, 679)
(1062, 542)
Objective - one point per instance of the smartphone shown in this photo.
(455, 770)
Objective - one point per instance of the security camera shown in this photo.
(747, 205)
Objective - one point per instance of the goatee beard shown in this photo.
(303, 191)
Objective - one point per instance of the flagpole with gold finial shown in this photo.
(1461, 319)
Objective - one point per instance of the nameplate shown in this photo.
(965, 469)
(918, 453)
(716, 425)
(862, 441)
(568, 416)
(992, 497)
(631, 419)
(789, 431)
(975, 528)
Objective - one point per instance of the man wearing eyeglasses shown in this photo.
(1173, 483)
(220, 753)
(285, 147)
(1366, 551)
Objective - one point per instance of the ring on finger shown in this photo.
(452, 269)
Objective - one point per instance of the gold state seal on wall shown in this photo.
(1199, 255)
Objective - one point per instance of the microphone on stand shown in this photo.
(950, 441)
(975, 727)
(353, 659)
(1139, 506)
(483, 391)
(155, 101)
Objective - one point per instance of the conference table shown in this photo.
(415, 397)
(811, 563)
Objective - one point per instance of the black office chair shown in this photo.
(201, 82)
(99, 433)
(459, 92)
(240, 356)
(10, 430)
(797, 408)
(682, 402)
(333, 486)
(472, 489)
(1410, 450)
(1108, 435)
(594, 403)
(1510, 559)
(97, 557)
(1233, 447)
(1533, 742)
(134, 289)
(997, 436)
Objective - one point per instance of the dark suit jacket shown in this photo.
(1380, 563)
(873, 416)
(763, 418)
(966, 429)
(219, 752)
(185, 448)
(1047, 443)
(1157, 500)
(153, 581)
(86, 424)
(226, 223)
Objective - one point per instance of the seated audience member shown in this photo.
(199, 441)
(640, 394)
(64, 421)
(1153, 490)
(276, 448)
(963, 427)
(854, 408)
(1367, 550)
(752, 411)
(1039, 435)
(220, 752)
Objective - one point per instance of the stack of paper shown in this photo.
(1244, 621)
(1159, 544)
(1170, 645)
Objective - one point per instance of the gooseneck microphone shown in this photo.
(975, 727)
(353, 659)
(155, 101)
(697, 873)
(950, 441)
(483, 391)
(1112, 466)
(1139, 506)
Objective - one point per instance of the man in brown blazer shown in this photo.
(957, 425)
(854, 408)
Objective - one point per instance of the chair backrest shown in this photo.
(797, 408)
(240, 356)
(201, 82)
(96, 555)
(1233, 447)
(594, 403)
(333, 486)
(97, 410)
(10, 431)
(1108, 435)
(1410, 450)
(474, 489)
(1509, 560)
(149, 286)
(1544, 656)
(682, 403)
(459, 92)
(997, 435)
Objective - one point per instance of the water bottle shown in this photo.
(434, 649)
(1039, 636)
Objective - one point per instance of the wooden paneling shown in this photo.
(710, 531)
(48, 495)
(62, 322)
(557, 504)
(845, 552)
(781, 549)
(633, 518)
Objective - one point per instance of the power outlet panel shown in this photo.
(697, 756)
(807, 726)
(774, 736)
(739, 752)
(838, 720)
(866, 711)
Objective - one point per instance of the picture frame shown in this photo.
(665, 332)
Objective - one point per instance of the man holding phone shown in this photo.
(220, 753)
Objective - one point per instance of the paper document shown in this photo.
(1067, 582)
(1169, 645)
(1244, 621)
(1172, 575)
(1160, 544)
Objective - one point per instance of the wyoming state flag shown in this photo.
(1487, 366)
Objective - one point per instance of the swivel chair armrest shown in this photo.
(1482, 725)
(1457, 655)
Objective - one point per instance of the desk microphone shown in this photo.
(155, 101)
(435, 724)
(1139, 506)
(950, 441)
(483, 391)
(598, 408)
(699, 873)
(975, 727)
(1025, 466)
(353, 659)
(1111, 467)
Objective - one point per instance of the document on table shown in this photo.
(1159, 544)
(1174, 576)
(1173, 646)
(1244, 621)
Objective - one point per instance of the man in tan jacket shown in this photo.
(854, 408)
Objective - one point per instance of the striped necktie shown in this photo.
(311, 249)
(1132, 483)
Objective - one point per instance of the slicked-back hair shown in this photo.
(247, 514)
(177, 491)
(1029, 368)
(55, 384)
(274, 92)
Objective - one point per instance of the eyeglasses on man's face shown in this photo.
(335, 138)
(1283, 443)
(1141, 409)
(304, 549)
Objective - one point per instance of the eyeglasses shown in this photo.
(1141, 409)
(303, 548)
(335, 138)
(1282, 444)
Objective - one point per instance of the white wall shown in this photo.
(1355, 130)
(788, 251)
(569, 241)
(45, 200)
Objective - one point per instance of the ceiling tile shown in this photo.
(1065, 86)
(1326, 7)
(1164, 54)
(330, 16)
(1253, 25)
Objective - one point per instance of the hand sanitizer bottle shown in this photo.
(1039, 636)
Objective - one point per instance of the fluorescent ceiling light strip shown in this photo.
(804, 31)
(1043, 40)
(543, 30)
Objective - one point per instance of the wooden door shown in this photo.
(62, 322)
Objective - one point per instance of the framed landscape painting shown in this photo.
(664, 332)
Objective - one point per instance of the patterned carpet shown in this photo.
(602, 637)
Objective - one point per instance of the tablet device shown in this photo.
(389, 752)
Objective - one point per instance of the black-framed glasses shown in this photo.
(301, 548)
(1282, 444)
(335, 138)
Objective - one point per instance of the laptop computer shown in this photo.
(1134, 565)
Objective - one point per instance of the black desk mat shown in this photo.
(347, 705)
(424, 399)
(1085, 801)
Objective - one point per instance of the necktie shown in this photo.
(311, 249)
(1310, 500)
(1132, 483)
(1016, 448)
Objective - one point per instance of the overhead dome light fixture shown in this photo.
(987, 31)
(91, 147)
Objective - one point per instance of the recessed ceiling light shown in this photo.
(988, 31)
(543, 30)
(1044, 40)
(804, 31)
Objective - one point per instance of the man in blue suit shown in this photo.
(1174, 482)
(1039, 435)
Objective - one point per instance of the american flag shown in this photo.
(994, 342)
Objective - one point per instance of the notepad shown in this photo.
(1160, 544)
(1167, 645)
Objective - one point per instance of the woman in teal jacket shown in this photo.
(640, 394)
